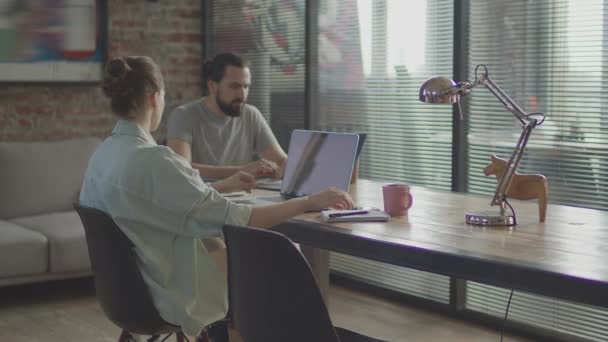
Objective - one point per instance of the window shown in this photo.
(360, 69)
(271, 36)
(370, 68)
(549, 57)
(371, 65)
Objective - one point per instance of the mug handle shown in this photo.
(410, 200)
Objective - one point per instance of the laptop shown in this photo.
(315, 161)
(275, 184)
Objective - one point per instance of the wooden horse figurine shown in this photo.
(523, 187)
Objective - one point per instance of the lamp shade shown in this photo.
(439, 90)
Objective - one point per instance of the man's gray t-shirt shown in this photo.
(220, 140)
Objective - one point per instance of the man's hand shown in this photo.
(237, 182)
(330, 198)
(262, 168)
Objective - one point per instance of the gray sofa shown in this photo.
(41, 236)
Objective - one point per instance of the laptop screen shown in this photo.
(317, 161)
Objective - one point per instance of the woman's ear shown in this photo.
(155, 99)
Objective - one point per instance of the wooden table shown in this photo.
(565, 257)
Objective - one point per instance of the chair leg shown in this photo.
(203, 337)
(125, 336)
(218, 331)
(180, 337)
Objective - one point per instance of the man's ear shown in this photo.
(212, 87)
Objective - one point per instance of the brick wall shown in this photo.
(166, 30)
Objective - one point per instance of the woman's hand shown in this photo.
(237, 182)
(330, 198)
(273, 214)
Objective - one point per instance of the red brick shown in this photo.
(192, 37)
(25, 123)
(135, 23)
(187, 13)
(174, 37)
(192, 60)
(60, 111)
(54, 112)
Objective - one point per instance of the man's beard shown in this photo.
(232, 109)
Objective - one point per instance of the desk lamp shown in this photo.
(445, 91)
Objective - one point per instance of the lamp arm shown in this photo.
(447, 91)
(464, 88)
(507, 101)
(500, 194)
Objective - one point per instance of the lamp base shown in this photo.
(490, 218)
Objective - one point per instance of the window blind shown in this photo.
(550, 57)
(366, 80)
(368, 76)
(271, 36)
(368, 60)
(576, 321)
(373, 55)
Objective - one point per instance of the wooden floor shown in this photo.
(67, 311)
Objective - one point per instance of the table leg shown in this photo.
(457, 294)
(319, 263)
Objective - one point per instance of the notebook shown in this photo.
(316, 161)
(269, 184)
(355, 215)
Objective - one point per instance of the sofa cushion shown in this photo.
(42, 177)
(67, 243)
(22, 251)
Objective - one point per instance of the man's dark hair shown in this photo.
(216, 68)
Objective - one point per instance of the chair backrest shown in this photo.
(120, 288)
(272, 291)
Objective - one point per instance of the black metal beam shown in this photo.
(207, 28)
(460, 65)
(312, 62)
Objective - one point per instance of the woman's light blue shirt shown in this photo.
(160, 202)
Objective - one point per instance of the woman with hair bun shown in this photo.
(159, 201)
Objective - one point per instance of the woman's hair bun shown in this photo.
(128, 80)
(115, 75)
(117, 68)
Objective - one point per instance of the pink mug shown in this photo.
(397, 199)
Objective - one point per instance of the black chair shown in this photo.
(273, 294)
(120, 288)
